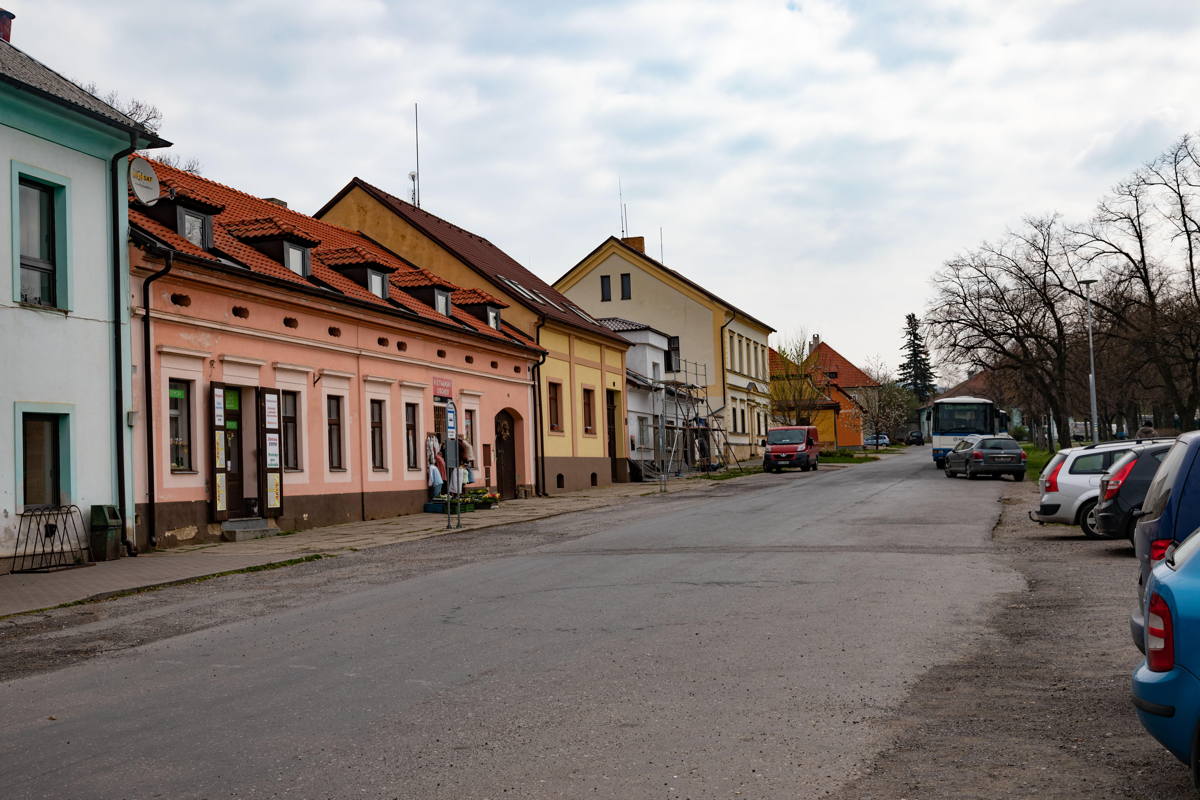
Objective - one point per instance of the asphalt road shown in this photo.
(751, 644)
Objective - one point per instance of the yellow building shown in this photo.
(579, 436)
(727, 345)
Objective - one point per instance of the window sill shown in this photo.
(185, 472)
(554, 432)
(380, 469)
(292, 469)
(338, 469)
(39, 307)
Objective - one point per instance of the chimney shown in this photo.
(6, 18)
(276, 201)
(636, 242)
(816, 340)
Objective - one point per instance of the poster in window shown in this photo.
(219, 407)
(222, 500)
(271, 407)
(272, 450)
(219, 449)
(274, 489)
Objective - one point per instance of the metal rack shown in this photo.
(51, 538)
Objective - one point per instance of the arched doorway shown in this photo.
(506, 455)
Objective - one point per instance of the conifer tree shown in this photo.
(916, 373)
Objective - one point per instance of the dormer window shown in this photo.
(195, 227)
(493, 317)
(296, 258)
(377, 284)
(441, 301)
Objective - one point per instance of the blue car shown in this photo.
(1166, 690)
(1169, 514)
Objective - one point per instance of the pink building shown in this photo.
(297, 370)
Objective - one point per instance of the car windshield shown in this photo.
(787, 436)
(1160, 488)
(999, 444)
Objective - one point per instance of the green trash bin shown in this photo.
(105, 537)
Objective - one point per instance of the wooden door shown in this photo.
(270, 453)
(506, 455)
(218, 473)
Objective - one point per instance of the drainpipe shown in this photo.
(724, 387)
(168, 256)
(118, 302)
(539, 467)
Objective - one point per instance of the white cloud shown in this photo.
(824, 149)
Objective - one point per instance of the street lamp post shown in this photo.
(1086, 283)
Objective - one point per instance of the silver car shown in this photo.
(1070, 483)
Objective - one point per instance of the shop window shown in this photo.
(179, 424)
(333, 424)
(411, 436)
(289, 419)
(378, 459)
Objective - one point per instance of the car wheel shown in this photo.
(1018, 476)
(949, 472)
(970, 475)
(1087, 520)
(816, 464)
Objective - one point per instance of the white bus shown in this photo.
(945, 422)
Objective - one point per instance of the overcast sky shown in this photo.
(811, 161)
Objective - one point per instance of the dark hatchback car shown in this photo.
(1169, 514)
(915, 437)
(986, 455)
(1123, 488)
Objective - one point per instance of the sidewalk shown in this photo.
(36, 591)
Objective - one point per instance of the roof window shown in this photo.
(195, 227)
(441, 301)
(297, 259)
(493, 317)
(377, 284)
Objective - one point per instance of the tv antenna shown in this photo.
(415, 175)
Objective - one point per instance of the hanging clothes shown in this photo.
(455, 484)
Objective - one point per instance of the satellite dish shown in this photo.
(143, 180)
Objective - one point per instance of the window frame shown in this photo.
(372, 276)
(442, 297)
(184, 412)
(588, 399)
(626, 286)
(377, 409)
(290, 455)
(305, 258)
(493, 317)
(605, 288)
(60, 188)
(65, 436)
(334, 425)
(181, 215)
(412, 436)
(554, 416)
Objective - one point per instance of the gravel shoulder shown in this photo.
(1041, 707)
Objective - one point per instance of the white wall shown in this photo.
(51, 357)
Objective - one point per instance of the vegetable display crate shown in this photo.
(439, 507)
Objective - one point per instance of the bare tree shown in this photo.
(795, 394)
(888, 406)
(148, 115)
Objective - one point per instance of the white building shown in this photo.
(64, 339)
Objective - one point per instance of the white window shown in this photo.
(194, 225)
(493, 317)
(295, 258)
(442, 301)
(643, 431)
(377, 283)
(656, 370)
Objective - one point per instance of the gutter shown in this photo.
(539, 465)
(148, 386)
(118, 298)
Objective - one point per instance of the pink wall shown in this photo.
(205, 341)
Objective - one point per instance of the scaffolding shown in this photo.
(690, 435)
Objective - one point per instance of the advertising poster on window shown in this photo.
(219, 407)
(274, 490)
(272, 451)
(219, 449)
(443, 387)
(222, 500)
(271, 409)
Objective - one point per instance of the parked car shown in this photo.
(791, 446)
(1169, 514)
(1123, 488)
(915, 437)
(876, 440)
(1070, 484)
(986, 455)
(1166, 691)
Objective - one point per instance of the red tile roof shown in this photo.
(827, 360)
(252, 216)
(263, 228)
(485, 258)
(469, 297)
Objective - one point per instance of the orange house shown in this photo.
(293, 373)
(837, 409)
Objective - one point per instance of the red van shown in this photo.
(791, 446)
